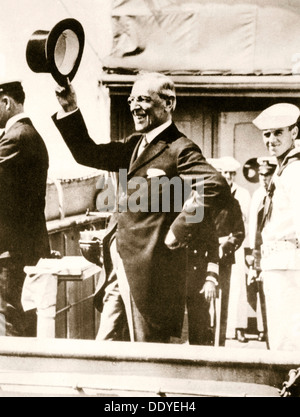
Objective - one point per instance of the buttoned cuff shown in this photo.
(212, 279)
(212, 273)
(213, 268)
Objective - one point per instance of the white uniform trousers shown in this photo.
(238, 304)
(282, 294)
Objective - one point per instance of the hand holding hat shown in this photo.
(66, 97)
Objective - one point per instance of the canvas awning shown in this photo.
(259, 38)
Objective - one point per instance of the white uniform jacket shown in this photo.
(281, 233)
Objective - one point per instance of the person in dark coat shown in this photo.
(231, 233)
(202, 256)
(23, 232)
(148, 245)
(221, 247)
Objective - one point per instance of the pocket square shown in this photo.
(155, 172)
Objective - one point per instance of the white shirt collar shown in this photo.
(155, 132)
(14, 120)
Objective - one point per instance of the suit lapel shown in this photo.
(151, 152)
(135, 151)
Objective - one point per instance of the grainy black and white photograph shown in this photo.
(149, 201)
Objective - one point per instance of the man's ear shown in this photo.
(7, 102)
(295, 132)
(171, 103)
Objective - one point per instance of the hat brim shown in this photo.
(66, 34)
(266, 171)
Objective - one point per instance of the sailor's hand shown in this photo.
(66, 97)
(252, 275)
(250, 260)
(259, 277)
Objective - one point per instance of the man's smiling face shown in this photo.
(278, 141)
(148, 109)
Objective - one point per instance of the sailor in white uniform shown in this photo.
(280, 261)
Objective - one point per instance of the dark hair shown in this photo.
(15, 91)
(17, 95)
(297, 123)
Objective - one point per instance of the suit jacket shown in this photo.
(156, 274)
(23, 176)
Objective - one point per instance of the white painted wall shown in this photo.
(19, 19)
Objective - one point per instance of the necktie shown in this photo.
(267, 208)
(144, 143)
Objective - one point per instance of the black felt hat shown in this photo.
(58, 51)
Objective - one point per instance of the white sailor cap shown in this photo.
(213, 162)
(225, 164)
(277, 116)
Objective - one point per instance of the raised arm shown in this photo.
(70, 123)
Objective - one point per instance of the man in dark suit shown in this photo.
(231, 233)
(23, 233)
(148, 252)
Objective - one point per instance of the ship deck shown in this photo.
(55, 367)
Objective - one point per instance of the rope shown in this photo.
(69, 306)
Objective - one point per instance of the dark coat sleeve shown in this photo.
(110, 157)
(237, 235)
(230, 225)
(209, 193)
